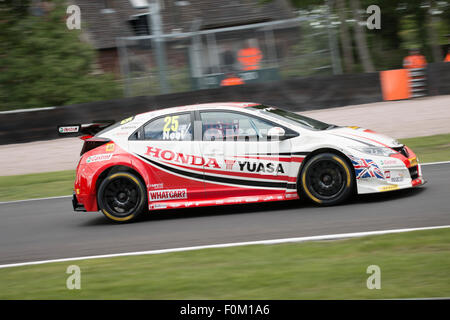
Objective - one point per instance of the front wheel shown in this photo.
(122, 197)
(327, 179)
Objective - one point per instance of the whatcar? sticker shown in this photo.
(169, 194)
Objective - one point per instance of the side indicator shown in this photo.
(413, 162)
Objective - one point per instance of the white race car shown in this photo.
(228, 153)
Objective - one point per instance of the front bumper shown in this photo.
(76, 205)
(395, 178)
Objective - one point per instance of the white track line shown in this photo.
(227, 245)
(35, 199)
(432, 163)
(60, 197)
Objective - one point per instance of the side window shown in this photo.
(172, 127)
(233, 126)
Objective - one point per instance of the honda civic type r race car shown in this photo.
(229, 153)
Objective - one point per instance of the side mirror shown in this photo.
(276, 133)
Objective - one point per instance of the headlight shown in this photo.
(375, 151)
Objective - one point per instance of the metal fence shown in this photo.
(251, 53)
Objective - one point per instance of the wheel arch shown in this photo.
(117, 168)
(325, 150)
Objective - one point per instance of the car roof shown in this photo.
(192, 107)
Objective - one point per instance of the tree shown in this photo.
(42, 63)
(345, 37)
(360, 38)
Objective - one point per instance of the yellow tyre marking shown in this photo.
(117, 218)
(346, 170)
(120, 174)
(123, 175)
(305, 186)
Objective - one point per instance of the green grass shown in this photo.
(37, 185)
(428, 149)
(413, 264)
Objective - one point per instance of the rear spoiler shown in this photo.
(90, 129)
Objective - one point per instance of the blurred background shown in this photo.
(127, 48)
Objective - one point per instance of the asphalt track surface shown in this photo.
(49, 229)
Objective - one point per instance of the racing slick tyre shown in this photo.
(122, 197)
(327, 179)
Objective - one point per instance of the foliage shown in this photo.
(404, 25)
(43, 63)
(310, 56)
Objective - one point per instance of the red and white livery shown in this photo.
(229, 153)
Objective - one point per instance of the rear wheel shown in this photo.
(122, 197)
(327, 179)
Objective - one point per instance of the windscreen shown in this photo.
(293, 118)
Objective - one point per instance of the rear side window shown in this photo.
(175, 127)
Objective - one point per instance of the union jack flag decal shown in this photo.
(366, 168)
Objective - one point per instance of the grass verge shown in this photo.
(50, 184)
(36, 185)
(413, 264)
(430, 148)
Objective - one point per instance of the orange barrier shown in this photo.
(395, 84)
(234, 81)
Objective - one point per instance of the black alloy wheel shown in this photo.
(122, 197)
(327, 179)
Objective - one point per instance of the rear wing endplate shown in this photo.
(91, 129)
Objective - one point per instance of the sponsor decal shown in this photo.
(388, 188)
(126, 120)
(110, 147)
(398, 178)
(69, 129)
(387, 174)
(129, 127)
(229, 164)
(158, 206)
(388, 162)
(99, 157)
(290, 195)
(260, 167)
(157, 185)
(125, 133)
(170, 194)
(182, 158)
